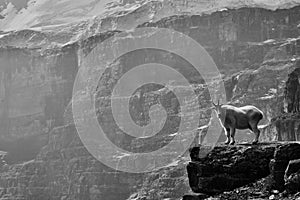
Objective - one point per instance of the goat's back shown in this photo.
(249, 110)
(252, 111)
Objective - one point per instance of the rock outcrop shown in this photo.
(279, 165)
(227, 168)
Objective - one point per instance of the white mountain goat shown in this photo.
(246, 117)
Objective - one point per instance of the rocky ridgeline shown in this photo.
(256, 50)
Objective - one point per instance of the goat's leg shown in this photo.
(227, 132)
(256, 131)
(232, 134)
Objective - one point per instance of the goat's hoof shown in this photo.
(232, 143)
(227, 143)
(255, 142)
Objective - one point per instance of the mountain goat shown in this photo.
(246, 117)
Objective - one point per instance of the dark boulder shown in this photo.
(279, 165)
(292, 184)
(293, 167)
(228, 167)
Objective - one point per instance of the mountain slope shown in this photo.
(48, 14)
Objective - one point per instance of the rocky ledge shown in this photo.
(275, 166)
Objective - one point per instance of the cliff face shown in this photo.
(257, 51)
(35, 90)
(64, 169)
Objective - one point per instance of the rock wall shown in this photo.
(251, 46)
(285, 126)
(64, 169)
(35, 89)
(255, 49)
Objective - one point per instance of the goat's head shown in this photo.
(217, 107)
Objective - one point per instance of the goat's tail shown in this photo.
(263, 126)
(261, 116)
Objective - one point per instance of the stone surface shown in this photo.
(292, 184)
(293, 167)
(267, 171)
(278, 165)
(2, 160)
(173, 179)
(35, 89)
(64, 169)
(257, 52)
(286, 126)
(228, 167)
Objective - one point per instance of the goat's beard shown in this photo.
(222, 115)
